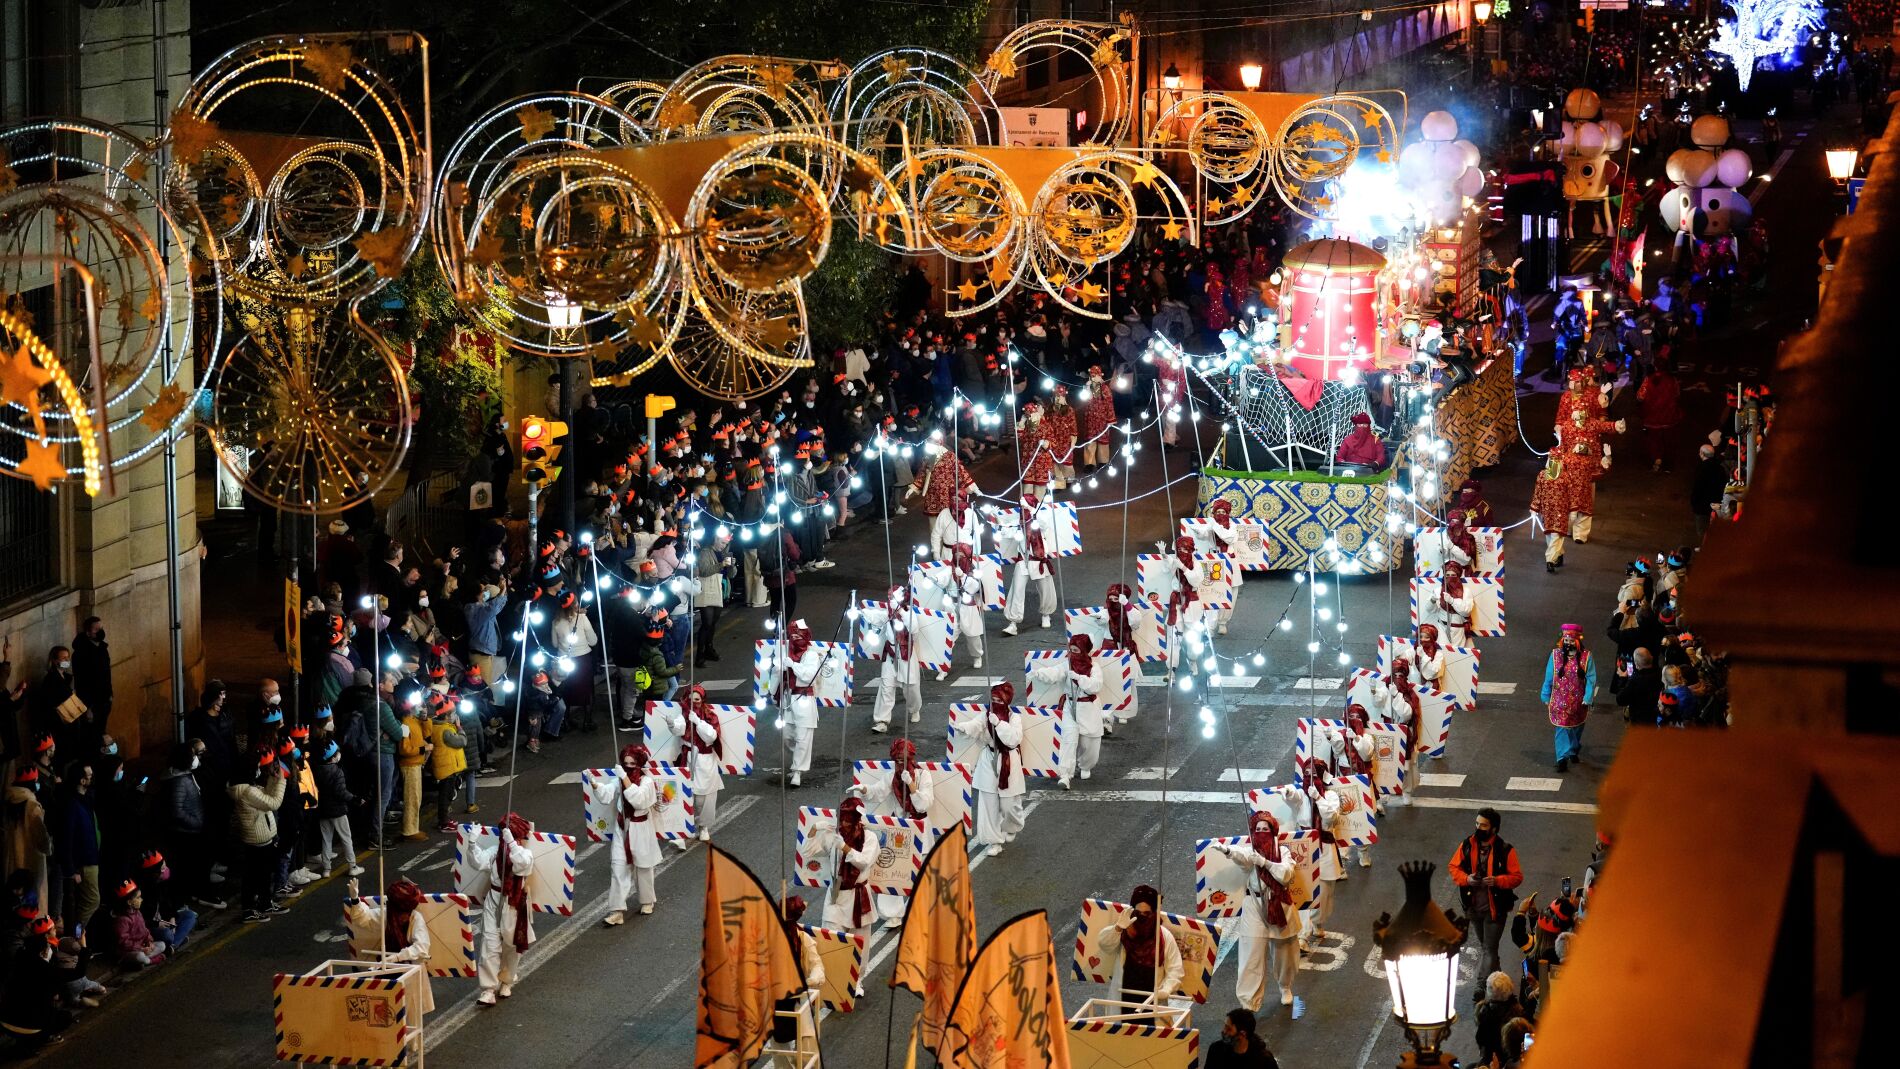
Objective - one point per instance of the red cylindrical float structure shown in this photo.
(1329, 320)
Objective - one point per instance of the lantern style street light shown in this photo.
(1250, 73)
(1171, 79)
(1841, 163)
(1481, 10)
(1420, 949)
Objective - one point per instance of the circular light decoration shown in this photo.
(328, 211)
(1229, 147)
(638, 105)
(1098, 44)
(915, 99)
(760, 221)
(310, 408)
(1086, 213)
(553, 247)
(75, 200)
(740, 345)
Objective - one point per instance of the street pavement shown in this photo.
(604, 997)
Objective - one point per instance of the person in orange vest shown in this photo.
(1485, 869)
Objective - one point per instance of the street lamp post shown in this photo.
(1420, 950)
(565, 318)
(1841, 163)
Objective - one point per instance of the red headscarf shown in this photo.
(1081, 659)
(1428, 639)
(1141, 939)
(514, 889)
(1357, 722)
(792, 909)
(399, 903)
(1223, 512)
(1460, 536)
(1000, 696)
(1121, 634)
(962, 560)
(1184, 550)
(904, 758)
(633, 761)
(694, 703)
(1453, 584)
(850, 878)
(1263, 834)
(798, 639)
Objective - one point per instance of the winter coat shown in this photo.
(181, 804)
(254, 818)
(220, 740)
(128, 934)
(92, 674)
(450, 757)
(483, 636)
(32, 988)
(29, 842)
(333, 790)
(1640, 690)
(76, 834)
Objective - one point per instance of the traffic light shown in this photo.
(539, 449)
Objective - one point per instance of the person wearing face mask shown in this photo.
(29, 1006)
(1269, 925)
(28, 838)
(75, 824)
(182, 814)
(394, 929)
(1031, 544)
(1487, 874)
(890, 639)
(56, 709)
(849, 905)
(634, 796)
(1570, 685)
(92, 671)
(501, 883)
(484, 633)
(1081, 680)
(999, 779)
(1146, 957)
(802, 663)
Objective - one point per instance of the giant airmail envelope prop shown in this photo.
(1358, 801)
(1220, 885)
(348, 1013)
(900, 851)
(1198, 940)
(1250, 548)
(1150, 625)
(1461, 666)
(738, 736)
(550, 881)
(1216, 579)
(1118, 680)
(1434, 709)
(933, 584)
(1429, 550)
(952, 796)
(1388, 749)
(933, 633)
(1045, 733)
(1062, 529)
(674, 817)
(1109, 1044)
(451, 923)
(1487, 604)
(832, 687)
(842, 954)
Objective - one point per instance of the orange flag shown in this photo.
(1008, 1012)
(939, 937)
(747, 963)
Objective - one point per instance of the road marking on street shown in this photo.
(1769, 178)
(1245, 775)
(1496, 688)
(1234, 682)
(1151, 681)
(585, 919)
(563, 778)
(495, 782)
(1289, 701)
(418, 859)
(1506, 804)
(1327, 683)
(1151, 772)
(1441, 779)
(1533, 783)
(1210, 797)
(712, 685)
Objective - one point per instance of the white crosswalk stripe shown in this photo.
(1533, 783)
(1246, 775)
(1441, 779)
(1497, 688)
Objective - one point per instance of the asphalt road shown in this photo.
(604, 997)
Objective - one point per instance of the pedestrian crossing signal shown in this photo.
(540, 449)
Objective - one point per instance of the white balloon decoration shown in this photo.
(1441, 169)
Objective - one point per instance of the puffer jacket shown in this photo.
(181, 804)
(254, 818)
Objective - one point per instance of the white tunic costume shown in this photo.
(1081, 711)
(801, 675)
(699, 752)
(1261, 941)
(1168, 969)
(876, 793)
(1030, 568)
(946, 533)
(999, 798)
(894, 645)
(499, 955)
(635, 833)
(366, 932)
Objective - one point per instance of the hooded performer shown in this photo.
(1032, 543)
(501, 883)
(1570, 685)
(1451, 607)
(702, 750)
(958, 525)
(849, 904)
(803, 663)
(1564, 497)
(1185, 608)
(1328, 810)
(1145, 955)
(1058, 429)
(1226, 537)
(1361, 447)
(1269, 923)
(908, 792)
(1034, 451)
(1428, 658)
(1121, 636)
(395, 929)
(1356, 752)
(965, 591)
(894, 644)
(1081, 680)
(1471, 505)
(941, 482)
(1402, 708)
(999, 780)
(635, 798)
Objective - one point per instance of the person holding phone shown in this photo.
(1486, 871)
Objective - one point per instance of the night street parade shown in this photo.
(1176, 534)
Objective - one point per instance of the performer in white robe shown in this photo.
(1146, 956)
(405, 938)
(1081, 680)
(1033, 545)
(702, 751)
(848, 903)
(894, 645)
(636, 846)
(1269, 924)
(1186, 610)
(965, 591)
(998, 779)
(1226, 537)
(1356, 752)
(1121, 636)
(1401, 707)
(1326, 808)
(1428, 658)
(908, 791)
(1451, 607)
(958, 525)
(803, 662)
(501, 882)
